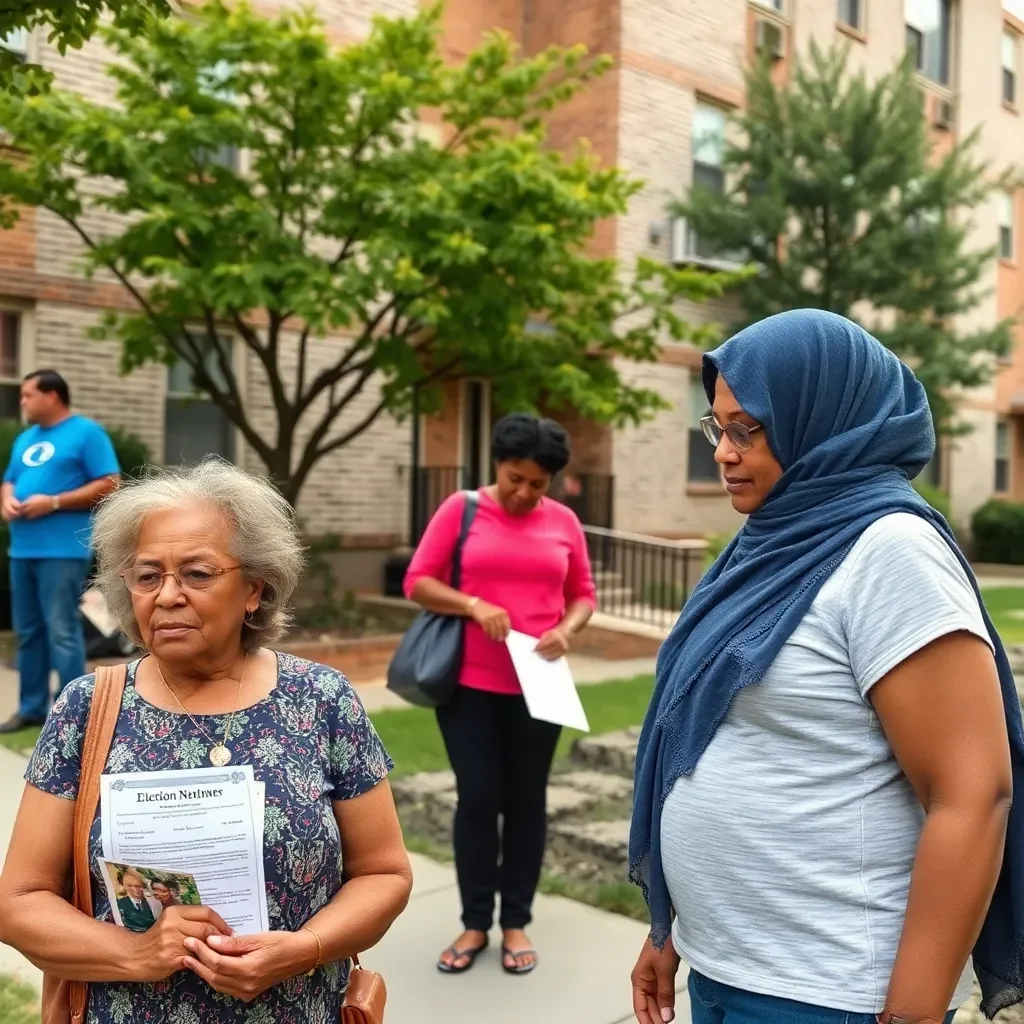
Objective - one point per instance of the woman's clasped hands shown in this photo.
(243, 966)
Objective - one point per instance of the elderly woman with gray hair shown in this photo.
(198, 566)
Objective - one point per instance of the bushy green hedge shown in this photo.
(132, 456)
(998, 531)
(938, 500)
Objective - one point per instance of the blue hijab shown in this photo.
(851, 427)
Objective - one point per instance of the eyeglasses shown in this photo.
(738, 433)
(198, 576)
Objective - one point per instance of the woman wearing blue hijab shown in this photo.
(822, 819)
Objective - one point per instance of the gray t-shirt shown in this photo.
(788, 851)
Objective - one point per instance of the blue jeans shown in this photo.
(714, 1003)
(45, 595)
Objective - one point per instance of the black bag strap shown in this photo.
(468, 514)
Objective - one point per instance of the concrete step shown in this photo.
(427, 802)
(613, 753)
(591, 850)
(588, 814)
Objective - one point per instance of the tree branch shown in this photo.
(314, 451)
(367, 421)
(333, 374)
(300, 374)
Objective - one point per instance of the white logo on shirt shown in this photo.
(37, 454)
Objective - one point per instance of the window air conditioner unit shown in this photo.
(685, 249)
(16, 42)
(770, 37)
(683, 243)
(943, 116)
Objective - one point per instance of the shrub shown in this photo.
(938, 499)
(717, 543)
(132, 451)
(998, 531)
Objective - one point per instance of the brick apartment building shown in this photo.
(678, 70)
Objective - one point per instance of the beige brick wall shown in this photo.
(360, 488)
(91, 368)
(705, 39)
(670, 53)
(677, 47)
(352, 18)
(677, 50)
(650, 465)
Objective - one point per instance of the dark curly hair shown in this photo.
(520, 436)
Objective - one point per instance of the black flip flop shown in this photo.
(458, 954)
(518, 968)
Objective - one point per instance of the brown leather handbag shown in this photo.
(65, 1002)
(364, 1001)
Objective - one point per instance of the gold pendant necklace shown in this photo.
(220, 753)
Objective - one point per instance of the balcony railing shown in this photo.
(592, 497)
(644, 579)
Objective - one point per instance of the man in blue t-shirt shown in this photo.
(60, 467)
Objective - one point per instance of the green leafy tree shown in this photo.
(71, 23)
(834, 191)
(356, 259)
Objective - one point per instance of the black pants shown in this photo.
(501, 758)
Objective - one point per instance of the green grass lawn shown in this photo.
(411, 735)
(19, 1003)
(1006, 606)
(22, 742)
(412, 738)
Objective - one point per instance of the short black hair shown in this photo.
(50, 382)
(520, 436)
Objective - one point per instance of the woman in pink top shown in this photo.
(524, 567)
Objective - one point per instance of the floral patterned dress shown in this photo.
(310, 742)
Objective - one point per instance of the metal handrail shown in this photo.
(689, 544)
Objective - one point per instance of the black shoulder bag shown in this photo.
(425, 669)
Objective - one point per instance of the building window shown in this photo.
(10, 365)
(1009, 67)
(701, 467)
(1002, 480)
(16, 42)
(708, 152)
(1007, 220)
(775, 5)
(194, 426)
(214, 84)
(928, 37)
(849, 13)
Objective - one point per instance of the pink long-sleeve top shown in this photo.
(534, 566)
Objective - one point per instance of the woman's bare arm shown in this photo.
(942, 712)
(34, 916)
(438, 597)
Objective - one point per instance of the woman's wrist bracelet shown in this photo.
(319, 948)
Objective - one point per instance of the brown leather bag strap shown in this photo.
(99, 732)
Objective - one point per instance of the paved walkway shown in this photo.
(586, 954)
